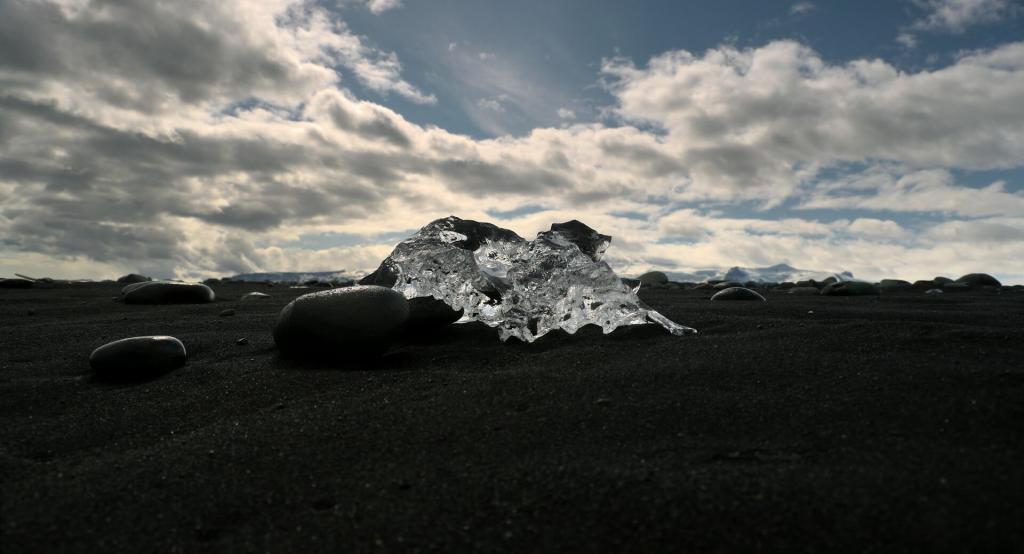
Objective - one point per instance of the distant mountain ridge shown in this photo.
(777, 273)
(296, 276)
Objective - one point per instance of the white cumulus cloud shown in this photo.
(759, 121)
(380, 6)
(216, 136)
(801, 8)
(957, 15)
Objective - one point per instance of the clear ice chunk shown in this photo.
(523, 288)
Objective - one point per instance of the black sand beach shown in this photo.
(892, 423)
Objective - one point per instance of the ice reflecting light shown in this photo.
(524, 289)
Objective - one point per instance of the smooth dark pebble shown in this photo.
(348, 322)
(137, 358)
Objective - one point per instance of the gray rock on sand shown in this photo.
(979, 280)
(653, 278)
(15, 283)
(933, 291)
(165, 292)
(345, 322)
(804, 291)
(254, 296)
(137, 358)
(133, 278)
(850, 288)
(737, 293)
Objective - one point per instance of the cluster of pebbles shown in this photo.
(364, 320)
(354, 321)
(831, 286)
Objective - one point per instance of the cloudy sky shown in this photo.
(190, 138)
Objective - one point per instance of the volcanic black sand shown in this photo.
(800, 424)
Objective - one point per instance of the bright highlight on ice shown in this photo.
(523, 288)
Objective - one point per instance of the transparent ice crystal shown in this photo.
(523, 288)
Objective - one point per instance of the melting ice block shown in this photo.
(523, 288)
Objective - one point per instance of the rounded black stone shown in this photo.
(737, 293)
(428, 313)
(979, 280)
(254, 296)
(15, 283)
(653, 278)
(891, 285)
(850, 288)
(354, 321)
(137, 358)
(133, 278)
(130, 287)
(163, 292)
